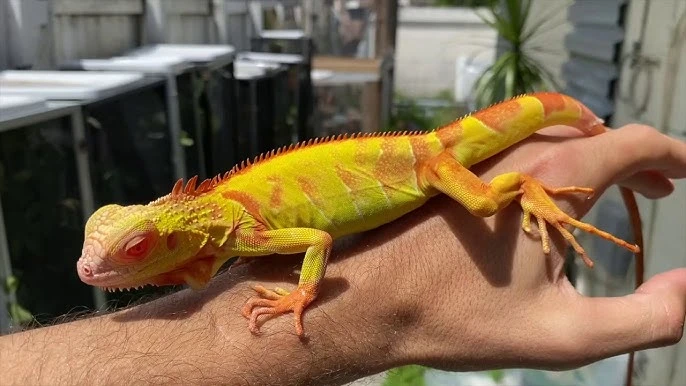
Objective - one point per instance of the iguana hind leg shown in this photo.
(317, 246)
(485, 199)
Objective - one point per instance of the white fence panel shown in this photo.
(95, 28)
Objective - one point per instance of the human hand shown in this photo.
(438, 287)
(458, 292)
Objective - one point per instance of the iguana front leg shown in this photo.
(447, 175)
(317, 246)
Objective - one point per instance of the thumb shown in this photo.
(651, 317)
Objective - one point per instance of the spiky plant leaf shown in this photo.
(515, 72)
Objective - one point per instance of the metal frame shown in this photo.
(258, 44)
(252, 80)
(171, 98)
(213, 64)
(174, 116)
(74, 110)
(263, 71)
(303, 94)
(55, 110)
(5, 272)
(218, 65)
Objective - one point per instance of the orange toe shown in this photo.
(275, 303)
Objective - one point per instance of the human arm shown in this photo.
(438, 287)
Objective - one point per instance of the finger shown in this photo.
(621, 154)
(651, 317)
(650, 183)
(645, 148)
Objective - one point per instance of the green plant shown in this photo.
(411, 375)
(20, 316)
(515, 71)
(409, 114)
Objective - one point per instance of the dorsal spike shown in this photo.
(190, 186)
(239, 168)
(204, 186)
(178, 187)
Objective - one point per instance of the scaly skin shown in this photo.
(301, 198)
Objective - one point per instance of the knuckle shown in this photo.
(670, 323)
(641, 130)
(645, 135)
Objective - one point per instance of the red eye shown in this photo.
(137, 247)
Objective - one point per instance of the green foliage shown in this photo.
(412, 375)
(20, 315)
(497, 375)
(410, 115)
(515, 72)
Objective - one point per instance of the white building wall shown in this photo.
(659, 99)
(430, 40)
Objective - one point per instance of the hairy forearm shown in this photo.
(438, 287)
(191, 337)
(103, 350)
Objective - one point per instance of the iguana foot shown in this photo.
(277, 302)
(536, 201)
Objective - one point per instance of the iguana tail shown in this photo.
(487, 132)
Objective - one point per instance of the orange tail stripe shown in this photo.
(552, 103)
(501, 118)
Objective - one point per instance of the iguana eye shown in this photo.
(138, 247)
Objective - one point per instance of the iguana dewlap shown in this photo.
(300, 198)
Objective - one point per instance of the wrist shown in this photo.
(349, 332)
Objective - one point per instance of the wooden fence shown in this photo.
(41, 34)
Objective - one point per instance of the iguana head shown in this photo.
(176, 239)
(131, 246)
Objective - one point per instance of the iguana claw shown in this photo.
(277, 302)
